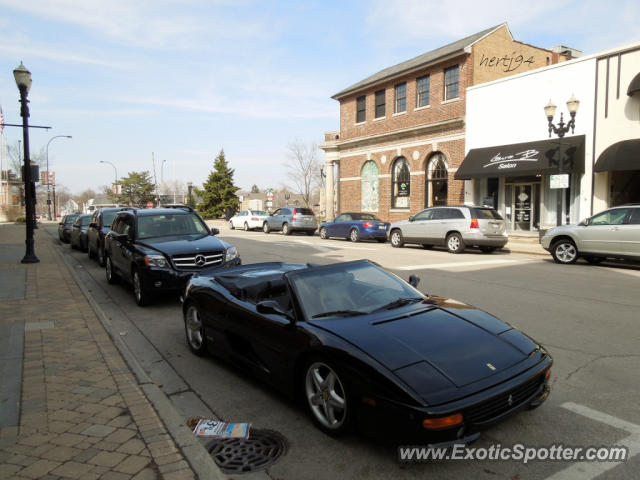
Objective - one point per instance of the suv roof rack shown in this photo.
(133, 209)
(178, 205)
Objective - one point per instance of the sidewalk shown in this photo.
(70, 406)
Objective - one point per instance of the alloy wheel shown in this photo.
(194, 330)
(565, 252)
(326, 396)
(323, 233)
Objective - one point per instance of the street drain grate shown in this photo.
(239, 455)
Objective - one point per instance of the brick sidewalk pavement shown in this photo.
(82, 414)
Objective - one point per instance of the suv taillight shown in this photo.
(474, 223)
(293, 217)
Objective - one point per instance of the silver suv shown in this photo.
(613, 233)
(291, 219)
(456, 227)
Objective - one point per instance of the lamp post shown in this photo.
(560, 130)
(190, 187)
(23, 81)
(48, 178)
(116, 172)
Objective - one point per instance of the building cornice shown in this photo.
(394, 135)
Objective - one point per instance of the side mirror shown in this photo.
(60, 223)
(122, 237)
(93, 225)
(414, 281)
(272, 307)
(215, 231)
(411, 218)
(584, 222)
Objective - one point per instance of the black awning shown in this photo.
(529, 158)
(634, 86)
(623, 155)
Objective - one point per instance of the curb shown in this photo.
(194, 452)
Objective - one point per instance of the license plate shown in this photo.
(381, 227)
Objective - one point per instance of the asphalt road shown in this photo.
(587, 316)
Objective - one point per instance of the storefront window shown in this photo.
(437, 181)
(369, 187)
(400, 183)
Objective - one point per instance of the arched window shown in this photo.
(400, 183)
(437, 181)
(369, 187)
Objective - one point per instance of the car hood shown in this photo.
(172, 245)
(436, 348)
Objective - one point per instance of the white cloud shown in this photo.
(144, 23)
(42, 51)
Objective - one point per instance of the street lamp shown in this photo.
(560, 130)
(190, 187)
(23, 81)
(48, 178)
(116, 172)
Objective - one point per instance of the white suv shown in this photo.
(455, 227)
(614, 233)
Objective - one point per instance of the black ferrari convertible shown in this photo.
(363, 347)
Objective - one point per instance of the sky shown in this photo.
(134, 81)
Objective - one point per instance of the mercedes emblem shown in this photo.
(200, 261)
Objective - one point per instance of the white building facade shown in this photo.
(513, 164)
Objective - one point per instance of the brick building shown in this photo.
(402, 130)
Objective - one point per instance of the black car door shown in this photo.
(268, 343)
(122, 246)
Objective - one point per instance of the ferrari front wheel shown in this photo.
(326, 398)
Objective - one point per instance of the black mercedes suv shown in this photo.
(158, 249)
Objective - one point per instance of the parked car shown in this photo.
(614, 233)
(78, 237)
(291, 219)
(64, 227)
(455, 227)
(101, 221)
(359, 344)
(248, 219)
(158, 249)
(355, 227)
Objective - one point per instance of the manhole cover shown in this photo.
(239, 455)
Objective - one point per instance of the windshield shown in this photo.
(69, 219)
(259, 212)
(107, 218)
(85, 220)
(170, 224)
(349, 289)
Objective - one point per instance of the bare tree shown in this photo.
(303, 169)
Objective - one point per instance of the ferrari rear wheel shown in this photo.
(326, 398)
(194, 331)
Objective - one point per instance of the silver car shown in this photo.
(614, 233)
(291, 219)
(455, 227)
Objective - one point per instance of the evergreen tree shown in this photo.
(219, 193)
(137, 190)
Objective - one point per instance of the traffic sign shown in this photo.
(149, 204)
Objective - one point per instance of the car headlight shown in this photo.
(230, 254)
(155, 261)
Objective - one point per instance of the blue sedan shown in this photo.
(355, 227)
